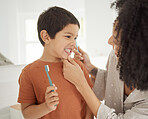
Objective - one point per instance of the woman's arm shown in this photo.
(73, 75)
(89, 96)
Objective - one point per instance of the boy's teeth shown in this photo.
(68, 50)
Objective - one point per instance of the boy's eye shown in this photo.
(75, 38)
(68, 36)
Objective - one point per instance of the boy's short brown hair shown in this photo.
(54, 20)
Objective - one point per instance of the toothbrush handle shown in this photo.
(50, 82)
(77, 46)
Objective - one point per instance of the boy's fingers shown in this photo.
(54, 103)
(51, 94)
(50, 88)
(52, 99)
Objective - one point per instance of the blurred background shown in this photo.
(19, 44)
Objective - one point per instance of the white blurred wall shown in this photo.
(99, 21)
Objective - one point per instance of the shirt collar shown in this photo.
(136, 96)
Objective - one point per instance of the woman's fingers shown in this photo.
(66, 63)
(76, 52)
(78, 57)
(72, 61)
(69, 62)
(81, 51)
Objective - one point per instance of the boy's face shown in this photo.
(64, 42)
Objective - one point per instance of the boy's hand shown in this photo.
(51, 98)
(83, 56)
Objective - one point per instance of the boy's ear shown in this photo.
(45, 36)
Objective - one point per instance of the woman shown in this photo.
(130, 43)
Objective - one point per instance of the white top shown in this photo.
(110, 88)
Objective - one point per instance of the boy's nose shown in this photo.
(73, 43)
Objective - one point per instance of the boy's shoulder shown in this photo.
(31, 66)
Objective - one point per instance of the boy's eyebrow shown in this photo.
(70, 33)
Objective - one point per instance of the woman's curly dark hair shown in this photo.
(133, 53)
(118, 4)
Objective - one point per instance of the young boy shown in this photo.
(57, 31)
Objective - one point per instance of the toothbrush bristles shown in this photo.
(47, 67)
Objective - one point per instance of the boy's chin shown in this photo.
(65, 58)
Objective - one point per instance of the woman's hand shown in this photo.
(83, 56)
(72, 72)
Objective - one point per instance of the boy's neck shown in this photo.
(49, 58)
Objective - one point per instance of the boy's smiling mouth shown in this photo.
(68, 50)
